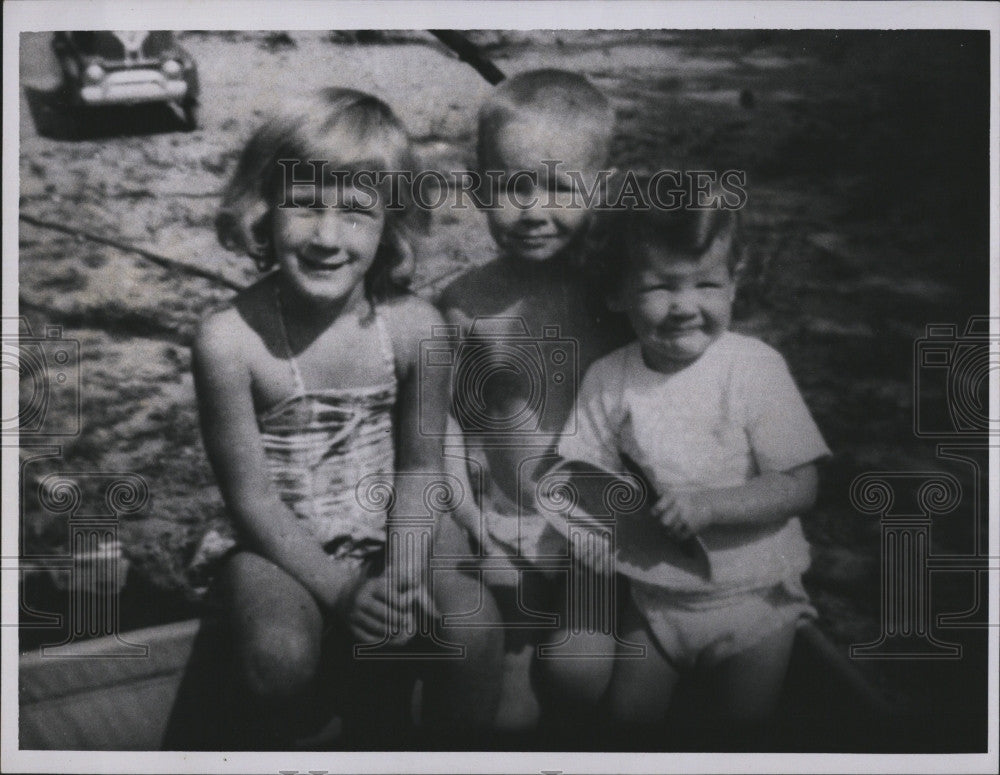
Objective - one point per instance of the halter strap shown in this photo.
(382, 333)
(300, 385)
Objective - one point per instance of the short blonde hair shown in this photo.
(549, 93)
(347, 129)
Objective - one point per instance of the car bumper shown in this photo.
(126, 88)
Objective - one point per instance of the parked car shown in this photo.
(128, 68)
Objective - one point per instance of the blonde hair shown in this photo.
(559, 95)
(347, 129)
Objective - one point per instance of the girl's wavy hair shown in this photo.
(349, 130)
(687, 230)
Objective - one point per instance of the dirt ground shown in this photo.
(866, 156)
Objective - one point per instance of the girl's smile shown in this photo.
(325, 251)
(324, 263)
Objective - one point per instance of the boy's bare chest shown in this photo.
(555, 317)
(537, 347)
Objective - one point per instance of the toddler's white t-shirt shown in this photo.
(730, 415)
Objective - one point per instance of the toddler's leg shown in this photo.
(461, 695)
(641, 688)
(748, 685)
(276, 628)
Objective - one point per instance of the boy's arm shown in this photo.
(590, 433)
(232, 441)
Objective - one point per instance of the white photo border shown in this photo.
(39, 15)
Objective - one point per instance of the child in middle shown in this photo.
(538, 217)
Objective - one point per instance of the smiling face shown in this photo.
(323, 252)
(678, 303)
(539, 210)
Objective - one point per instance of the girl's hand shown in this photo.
(682, 514)
(368, 608)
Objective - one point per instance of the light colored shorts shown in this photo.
(525, 538)
(706, 629)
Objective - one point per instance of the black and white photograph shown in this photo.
(500, 387)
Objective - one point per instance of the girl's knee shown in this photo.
(281, 665)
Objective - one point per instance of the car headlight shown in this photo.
(172, 68)
(94, 73)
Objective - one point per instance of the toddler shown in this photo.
(715, 423)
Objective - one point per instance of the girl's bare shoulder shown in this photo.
(228, 331)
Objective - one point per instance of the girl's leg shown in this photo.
(276, 627)
(641, 688)
(461, 695)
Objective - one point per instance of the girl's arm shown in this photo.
(232, 440)
(422, 409)
(467, 514)
(773, 496)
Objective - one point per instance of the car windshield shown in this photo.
(115, 45)
(156, 43)
(101, 44)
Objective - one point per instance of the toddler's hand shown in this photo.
(681, 515)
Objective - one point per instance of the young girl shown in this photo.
(307, 383)
(715, 423)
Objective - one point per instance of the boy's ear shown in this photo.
(740, 267)
(258, 237)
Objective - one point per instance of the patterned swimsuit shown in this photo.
(320, 444)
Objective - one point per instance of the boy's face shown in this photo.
(539, 209)
(678, 304)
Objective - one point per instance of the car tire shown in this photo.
(190, 110)
(71, 122)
